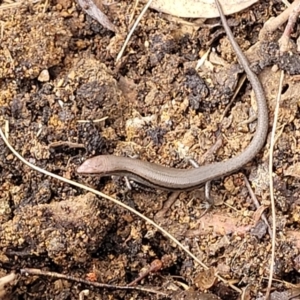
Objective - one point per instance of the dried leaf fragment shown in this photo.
(199, 8)
(92, 10)
(205, 279)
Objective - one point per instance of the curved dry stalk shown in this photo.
(272, 186)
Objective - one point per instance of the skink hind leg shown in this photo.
(207, 187)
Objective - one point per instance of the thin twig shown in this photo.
(284, 41)
(133, 11)
(167, 204)
(237, 90)
(272, 24)
(132, 29)
(163, 231)
(272, 186)
(92, 121)
(29, 271)
(256, 203)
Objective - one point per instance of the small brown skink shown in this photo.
(161, 177)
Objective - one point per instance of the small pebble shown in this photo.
(44, 76)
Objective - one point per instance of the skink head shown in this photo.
(94, 165)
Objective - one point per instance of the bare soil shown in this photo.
(66, 100)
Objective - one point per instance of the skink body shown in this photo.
(161, 177)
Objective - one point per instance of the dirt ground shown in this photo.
(66, 99)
